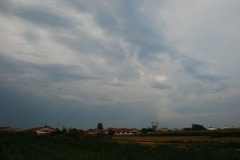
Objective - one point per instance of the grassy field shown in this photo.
(22, 146)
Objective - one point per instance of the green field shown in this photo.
(23, 146)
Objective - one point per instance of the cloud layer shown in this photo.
(121, 63)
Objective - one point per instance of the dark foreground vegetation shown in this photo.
(224, 133)
(25, 146)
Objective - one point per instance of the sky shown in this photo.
(122, 63)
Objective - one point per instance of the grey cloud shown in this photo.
(160, 85)
(112, 53)
(36, 15)
(80, 5)
(137, 30)
(117, 84)
(65, 72)
(83, 43)
(31, 36)
(44, 17)
(122, 20)
(221, 87)
(202, 88)
(4, 5)
(213, 106)
(54, 72)
(125, 20)
(128, 72)
(207, 83)
(196, 69)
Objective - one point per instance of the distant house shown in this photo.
(115, 131)
(162, 129)
(94, 131)
(42, 130)
(9, 129)
(125, 131)
(211, 128)
(177, 129)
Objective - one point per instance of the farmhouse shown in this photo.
(211, 128)
(162, 129)
(115, 131)
(94, 131)
(125, 131)
(42, 130)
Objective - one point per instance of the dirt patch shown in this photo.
(153, 140)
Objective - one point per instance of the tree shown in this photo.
(198, 127)
(100, 126)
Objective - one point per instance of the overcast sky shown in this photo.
(124, 63)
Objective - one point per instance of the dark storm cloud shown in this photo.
(17, 105)
(17, 108)
(21, 109)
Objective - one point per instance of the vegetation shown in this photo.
(215, 133)
(100, 126)
(198, 127)
(23, 146)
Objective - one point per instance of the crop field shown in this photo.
(23, 146)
